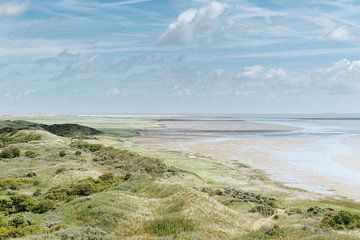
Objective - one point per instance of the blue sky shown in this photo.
(179, 56)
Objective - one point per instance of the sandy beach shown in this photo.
(326, 165)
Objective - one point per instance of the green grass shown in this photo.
(171, 225)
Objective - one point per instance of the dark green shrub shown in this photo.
(62, 153)
(6, 205)
(37, 193)
(78, 153)
(22, 203)
(19, 221)
(318, 211)
(11, 183)
(43, 206)
(31, 154)
(169, 226)
(84, 187)
(30, 174)
(10, 153)
(341, 220)
(87, 187)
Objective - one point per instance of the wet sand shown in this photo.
(284, 158)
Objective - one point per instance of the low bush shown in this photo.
(78, 153)
(62, 153)
(341, 220)
(31, 154)
(81, 188)
(318, 211)
(43, 206)
(37, 193)
(24, 203)
(264, 210)
(19, 221)
(17, 183)
(172, 225)
(10, 153)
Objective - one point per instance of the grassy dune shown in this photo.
(103, 187)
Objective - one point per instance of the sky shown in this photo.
(179, 56)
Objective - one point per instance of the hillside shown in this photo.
(64, 130)
(55, 187)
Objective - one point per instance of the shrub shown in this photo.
(108, 177)
(22, 202)
(169, 226)
(10, 153)
(84, 187)
(264, 210)
(341, 220)
(62, 153)
(78, 153)
(6, 205)
(19, 221)
(316, 211)
(37, 193)
(43, 206)
(11, 183)
(87, 187)
(30, 174)
(60, 170)
(31, 154)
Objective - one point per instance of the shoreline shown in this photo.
(258, 152)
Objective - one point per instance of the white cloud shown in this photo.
(342, 76)
(13, 8)
(258, 71)
(341, 34)
(191, 23)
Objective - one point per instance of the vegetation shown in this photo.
(31, 154)
(71, 130)
(62, 153)
(126, 161)
(169, 226)
(66, 188)
(84, 187)
(341, 220)
(10, 128)
(12, 152)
